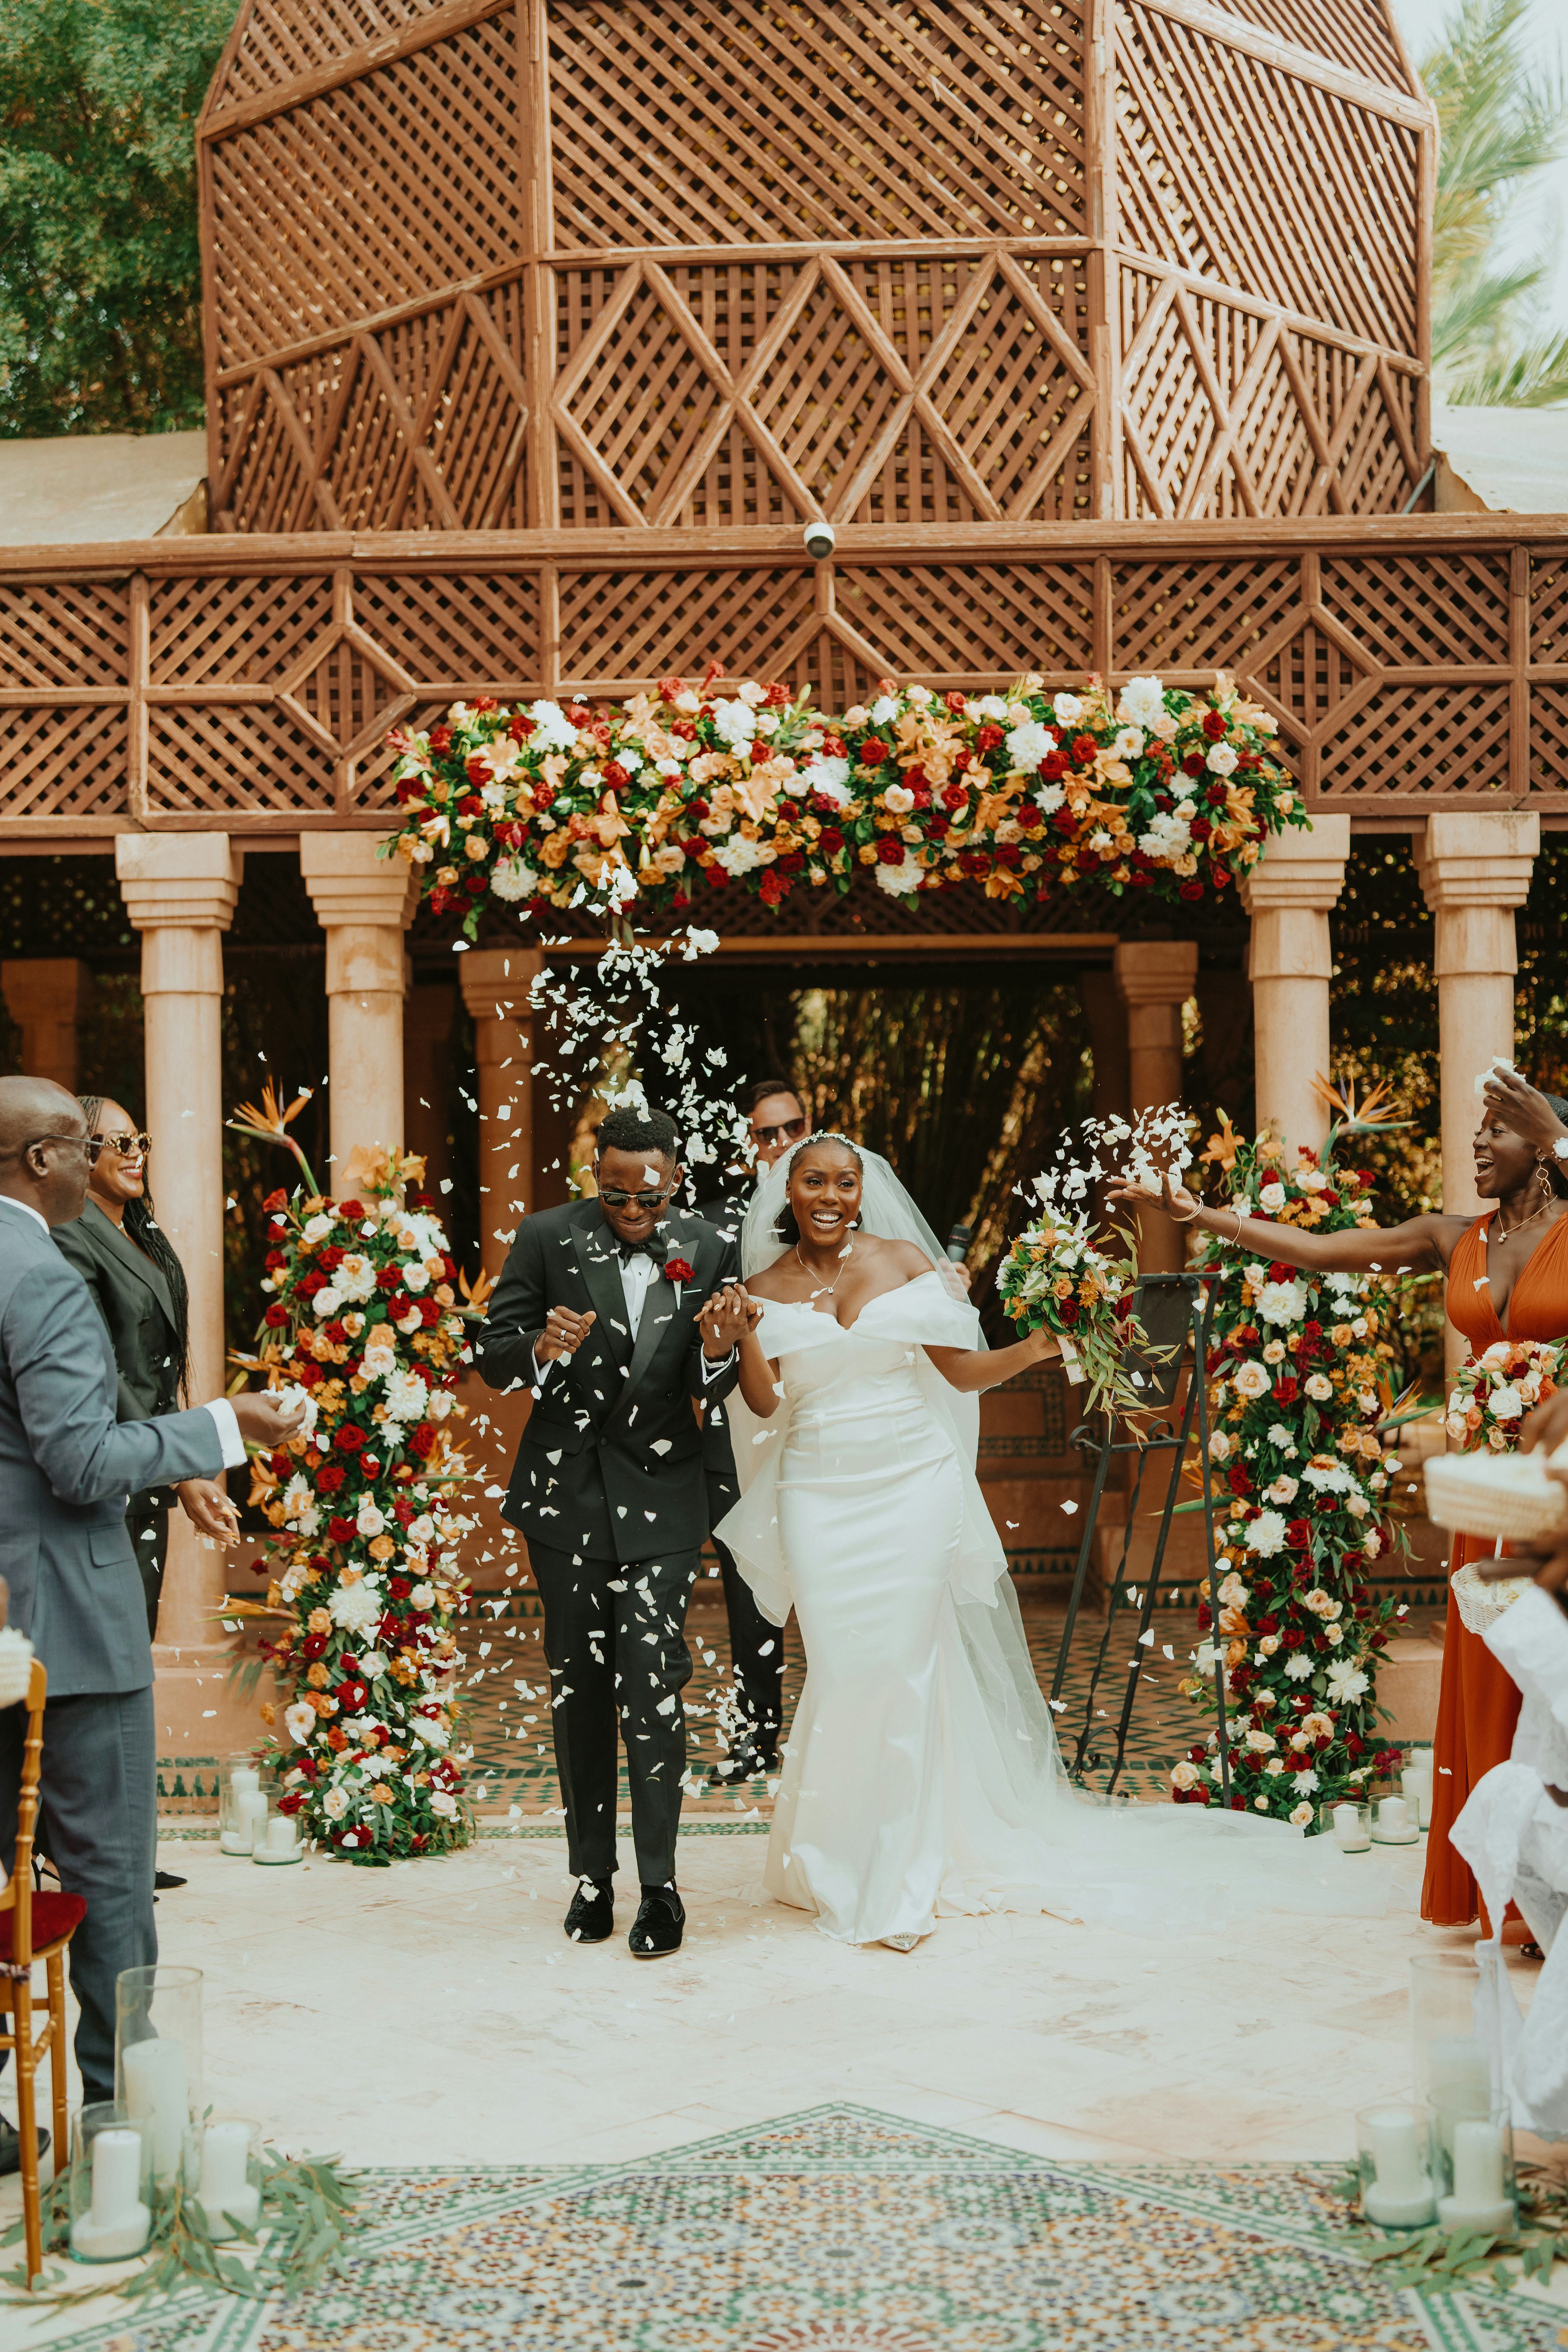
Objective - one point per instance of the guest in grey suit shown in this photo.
(138, 1285)
(66, 1467)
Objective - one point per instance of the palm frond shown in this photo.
(1532, 374)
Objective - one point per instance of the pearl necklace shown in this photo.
(844, 1256)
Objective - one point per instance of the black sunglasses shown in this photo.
(614, 1200)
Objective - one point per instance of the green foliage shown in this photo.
(100, 266)
(1500, 119)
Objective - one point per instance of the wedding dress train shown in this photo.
(921, 1775)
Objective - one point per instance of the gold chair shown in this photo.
(34, 1927)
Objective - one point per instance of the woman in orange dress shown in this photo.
(1508, 1280)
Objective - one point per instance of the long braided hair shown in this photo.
(149, 1237)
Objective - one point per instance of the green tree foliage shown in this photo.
(1501, 118)
(100, 266)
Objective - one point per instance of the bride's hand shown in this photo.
(1045, 1344)
(1174, 1199)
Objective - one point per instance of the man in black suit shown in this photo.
(618, 1312)
(776, 1116)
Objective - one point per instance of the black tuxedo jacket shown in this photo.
(611, 1462)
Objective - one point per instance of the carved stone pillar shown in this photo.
(496, 983)
(1288, 894)
(44, 996)
(363, 903)
(180, 890)
(427, 1018)
(1475, 870)
(1154, 979)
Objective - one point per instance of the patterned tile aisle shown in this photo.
(843, 2230)
(511, 1730)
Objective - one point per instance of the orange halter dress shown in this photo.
(1478, 1705)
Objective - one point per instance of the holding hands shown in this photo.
(728, 1317)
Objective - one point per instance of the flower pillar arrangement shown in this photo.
(366, 1320)
(1298, 1387)
(1150, 788)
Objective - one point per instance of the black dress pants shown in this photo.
(756, 1651)
(615, 1646)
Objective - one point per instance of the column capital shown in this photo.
(349, 883)
(178, 881)
(1476, 857)
(1304, 866)
(489, 977)
(1155, 971)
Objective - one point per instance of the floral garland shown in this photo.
(1300, 1388)
(1151, 789)
(366, 1323)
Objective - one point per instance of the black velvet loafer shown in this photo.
(591, 1917)
(658, 1925)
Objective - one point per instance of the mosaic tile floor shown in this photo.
(843, 2229)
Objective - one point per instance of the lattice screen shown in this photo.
(479, 265)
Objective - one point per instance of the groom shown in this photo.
(618, 1312)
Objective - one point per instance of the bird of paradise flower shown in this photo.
(268, 1122)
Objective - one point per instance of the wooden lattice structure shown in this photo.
(718, 264)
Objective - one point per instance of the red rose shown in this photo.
(429, 1312)
(873, 751)
(1193, 889)
(310, 1283)
(1084, 747)
(291, 1803)
(274, 1202)
(1193, 764)
(273, 1260)
(1215, 726)
(341, 1531)
(1365, 1179)
(399, 1587)
(1354, 1746)
(351, 1696)
(989, 736)
(1294, 1638)
(275, 1316)
(1054, 767)
(773, 887)
(440, 738)
(1287, 1391)
(616, 778)
(955, 796)
(330, 1478)
(352, 1209)
(717, 874)
(337, 1333)
(1299, 1534)
(1239, 1481)
(679, 1269)
(777, 697)
(1206, 1617)
(313, 1644)
(974, 863)
(830, 840)
(520, 728)
(389, 1277)
(422, 1442)
(349, 1438)
(938, 827)
(890, 850)
(329, 1259)
(1067, 1310)
(1196, 1755)
(1009, 855)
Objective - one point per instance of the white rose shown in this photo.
(415, 1277)
(326, 1303)
(335, 1804)
(1273, 1352)
(899, 799)
(1069, 708)
(1250, 1380)
(422, 1531)
(444, 1803)
(1219, 1446)
(1260, 1742)
(300, 1721)
(1506, 1402)
(1266, 1646)
(1282, 1490)
(316, 1230)
(1311, 1180)
(422, 1597)
(1222, 759)
(1265, 1535)
(1320, 1388)
(1300, 1815)
(370, 1520)
(1275, 1764)
(1335, 1634)
(1273, 1197)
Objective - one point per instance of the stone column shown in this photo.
(1289, 894)
(363, 903)
(1154, 979)
(180, 890)
(496, 983)
(1475, 870)
(44, 996)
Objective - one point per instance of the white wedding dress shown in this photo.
(921, 1772)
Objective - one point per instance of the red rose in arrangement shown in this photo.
(890, 850)
(276, 1317)
(1215, 726)
(680, 1269)
(349, 1438)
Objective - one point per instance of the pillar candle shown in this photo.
(281, 1833)
(1400, 2198)
(1394, 1817)
(157, 2088)
(1350, 1830)
(1479, 2201)
(225, 2191)
(117, 2223)
(1416, 1781)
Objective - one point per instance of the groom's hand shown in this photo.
(563, 1334)
(726, 1319)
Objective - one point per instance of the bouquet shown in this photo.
(1055, 1278)
(365, 1321)
(1493, 1391)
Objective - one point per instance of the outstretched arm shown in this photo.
(974, 1369)
(1418, 1246)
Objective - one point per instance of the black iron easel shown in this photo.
(1172, 1309)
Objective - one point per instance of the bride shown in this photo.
(921, 1774)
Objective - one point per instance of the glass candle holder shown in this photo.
(1394, 2156)
(158, 2058)
(1394, 1822)
(279, 1841)
(1348, 1821)
(1472, 2135)
(241, 1804)
(226, 2163)
(110, 2220)
(1416, 1784)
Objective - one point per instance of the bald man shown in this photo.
(66, 1467)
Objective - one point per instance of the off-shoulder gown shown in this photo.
(920, 1773)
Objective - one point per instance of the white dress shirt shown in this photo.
(221, 1409)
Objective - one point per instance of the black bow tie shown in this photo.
(649, 1248)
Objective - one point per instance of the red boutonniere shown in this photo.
(679, 1269)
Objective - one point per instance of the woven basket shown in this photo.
(1506, 1495)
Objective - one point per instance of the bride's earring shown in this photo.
(1546, 1184)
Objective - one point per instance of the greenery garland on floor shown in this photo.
(364, 1320)
(1299, 1388)
(1143, 789)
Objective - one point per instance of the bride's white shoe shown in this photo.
(900, 1943)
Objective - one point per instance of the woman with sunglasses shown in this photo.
(138, 1287)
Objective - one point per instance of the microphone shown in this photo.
(958, 1242)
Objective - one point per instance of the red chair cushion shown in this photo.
(54, 1916)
